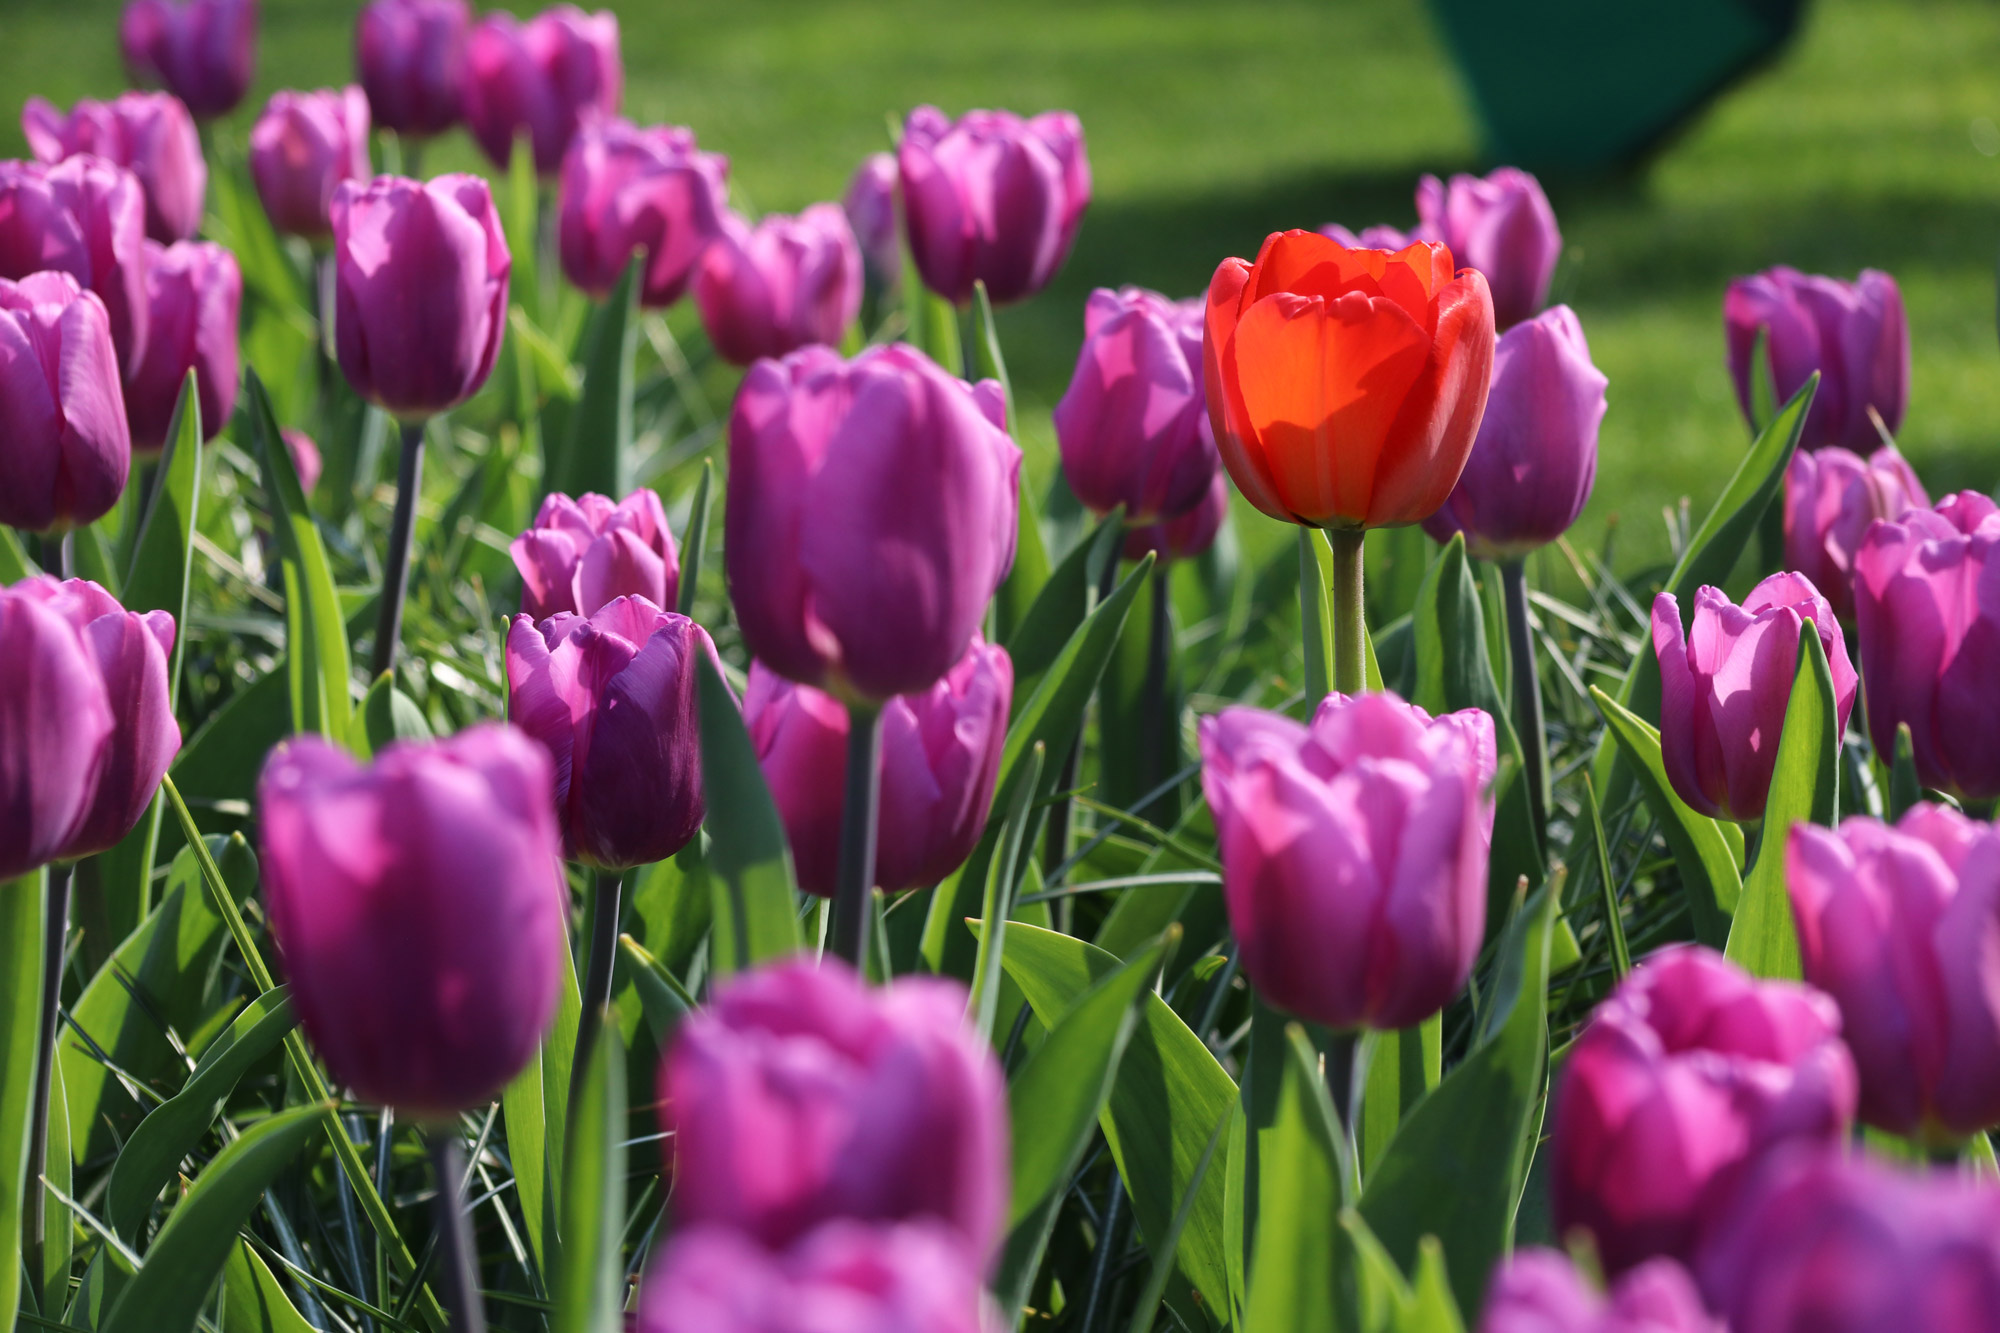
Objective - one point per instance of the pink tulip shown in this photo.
(626, 190)
(1540, 1291)
(55, 722)
(305, 458)
(195, 292)
(1187, 536)
(149, 134)
(410, 58)
(203, 51)
(581, 554)
(870, 203)
(303, 148)
(1831, 499)
(67, 450)
(1502, 225)
(781, 285)
(547, 78)
(1379, 236)
(87, 218)
(1853, 333)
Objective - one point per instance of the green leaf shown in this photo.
(93, 558)
(1061, 605)
(666, 1001)
(999, 903)
(23, 909)
(756, 915)
(164, 553)
(14, 562)
(1293, 1282)
(523, 222)
(1614, 922)
(590, 1275)
(389, 715)
(1905, 789)
(597, 456)
(674, 906)
(987, 360)
(1403, 1067)
(1138, 717)
(1316, 613)
(1030, 573)
(694, 539)
(253, 1300)
(1146, 1311)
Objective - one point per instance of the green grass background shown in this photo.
(1210, 124)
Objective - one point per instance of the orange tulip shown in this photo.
(1346, 386)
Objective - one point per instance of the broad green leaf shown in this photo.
(1403, 1067)
(590, 1275)
(1316, 613)
(253, 1300)
(14, 562)
(1379, 1299)
(987, 361)
(756, 916)
(23, 909)
(1139, 709)
(1293, 1279)
(1146, 1311)
(1065, 599)
(536, 1108)
(389, 715)
(597, 456)
(59, 1229)
(999, 903)
(666, 1002)
(673, 906)
(1614, 921)
(695, 539)
(1030, 572)
(93, 559)
(1905, 788)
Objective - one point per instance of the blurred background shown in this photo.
(1871, 139)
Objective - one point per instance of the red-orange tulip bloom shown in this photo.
(1346, 386)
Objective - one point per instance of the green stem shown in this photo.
(396, 567)
(457, 1259)
(1527, 693)
(57, 933)
(605, 904)
(1350, 627)
(855, 879)
(1154, 707)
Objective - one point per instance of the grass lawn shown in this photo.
(1211, 124)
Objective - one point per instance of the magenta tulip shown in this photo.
(305, 458)
(420, 290)
(420, 911)
(1927, 596)
(780, 285)
(626, 190)
(992, 197)
(67, 448)
(800, 1095)
(1535, 457)
(1853, 333)
(1354, 853)
(1540, 1291)
(581, 554)
(1378, 237)
(1689, 1073)
(1502, 225)
(1831, 499)
(302, 149)
(870, 203)
(202, 51)
(87, 218)
(1726, 685)
(1187, 536)
(55, 721)
(871, 517)
(546, 78)
(410, 58)
(149, 134)
(940, 757)
(195, 291)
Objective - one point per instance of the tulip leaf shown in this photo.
(1146, 1312)
(522, 221)
(23, 908)
(1031, 571)
(253, 1300)
(389, 715)
(756, 913)
(589, 1281)
(1905, 788)
(1805, 786)
(695, 538)
(1402, 1068)
(1139, 707)
(664, 1000)
(1066, 597)
(987, 361)
(674, 906)
(14, 562)
(1701, 851)
(91, 555)
(1022, 815)
(1294, 1284)
(597, 456)
(536, 1108)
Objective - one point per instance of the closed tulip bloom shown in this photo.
(546, 78)
(583, 553)
(410, 58)
(871, 517)
(801, 1095)
(302, 148)
(870, 203)
(420, 290)
(1187, 536)
(1502, 225)
(305, 458)
(1535, 457)
(1832, 498)
(420, 911)
(87, 218)
(202, 51)
(1540, 1291)
(67, 448)
(1354, 853)
(1346, 386)
(940, 758)
(613, 699)
(195, 291)
(1927, 596)
(780, 285)
(149, 134)
(626, 190)
(992, 197)
(1688, 1074)
(1726, 685)
(1853, 333)
(55, 720)
(1378, 237)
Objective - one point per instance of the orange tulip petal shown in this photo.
(1309, 264)
(1234, 438)
(1440, 417)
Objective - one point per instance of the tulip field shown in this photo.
(578, 756)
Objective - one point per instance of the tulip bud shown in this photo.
(55, 722)
(301, 150)
(195, 291)
(550, 76)
(612, 697)
(781, 285)
(1187, 536)
(991, 197)
(1501, 225)
(940, 758)
(581, 554)
(1354, 853)
(67, 448)
(1726, 686)
(871, 517)
(410, 58)
(1689, 1073)
(1535, 457)
(305, 458)
(1399, 351)
(149, 134)
(203, 51)
(420, 911)
(1853, 333)
(1540, 1291)
(871, 210)
(1378, 237)
(1927, 597)
(1831, 499)
(420, 290)
(625, 190)
(87, 218)
(902, 1119)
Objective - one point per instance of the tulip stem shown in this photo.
(606, 902)
(1350, 627)
(396, 565)
(57, 923)
(1159, 722)
(1527, 693)
(455, 1255)
(848, 939)
(59, 555)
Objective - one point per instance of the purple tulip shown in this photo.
(1501, 225)
(781, 285)
(871, 210)
(420, 911)
(149, 134)
(549, 77)
(612, 697)
(871, 517)
(1725, 688)
(1353, 853)
(410, 58)
(305, 458)
(1831, 499)
(420, 290)
(1378, 237)
(940, 758)
(1853, 333)
(68, 450)
(801, 1095)
(195, 291)
(202, 51)
(87, 218)
(55, 721)
(1540, 1291)
(302, 149)
(1187, 536)
(625, 190)
(1689, 1073)
(581, 554)
(992, 197)
(1927, 597)
(1535, 457)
